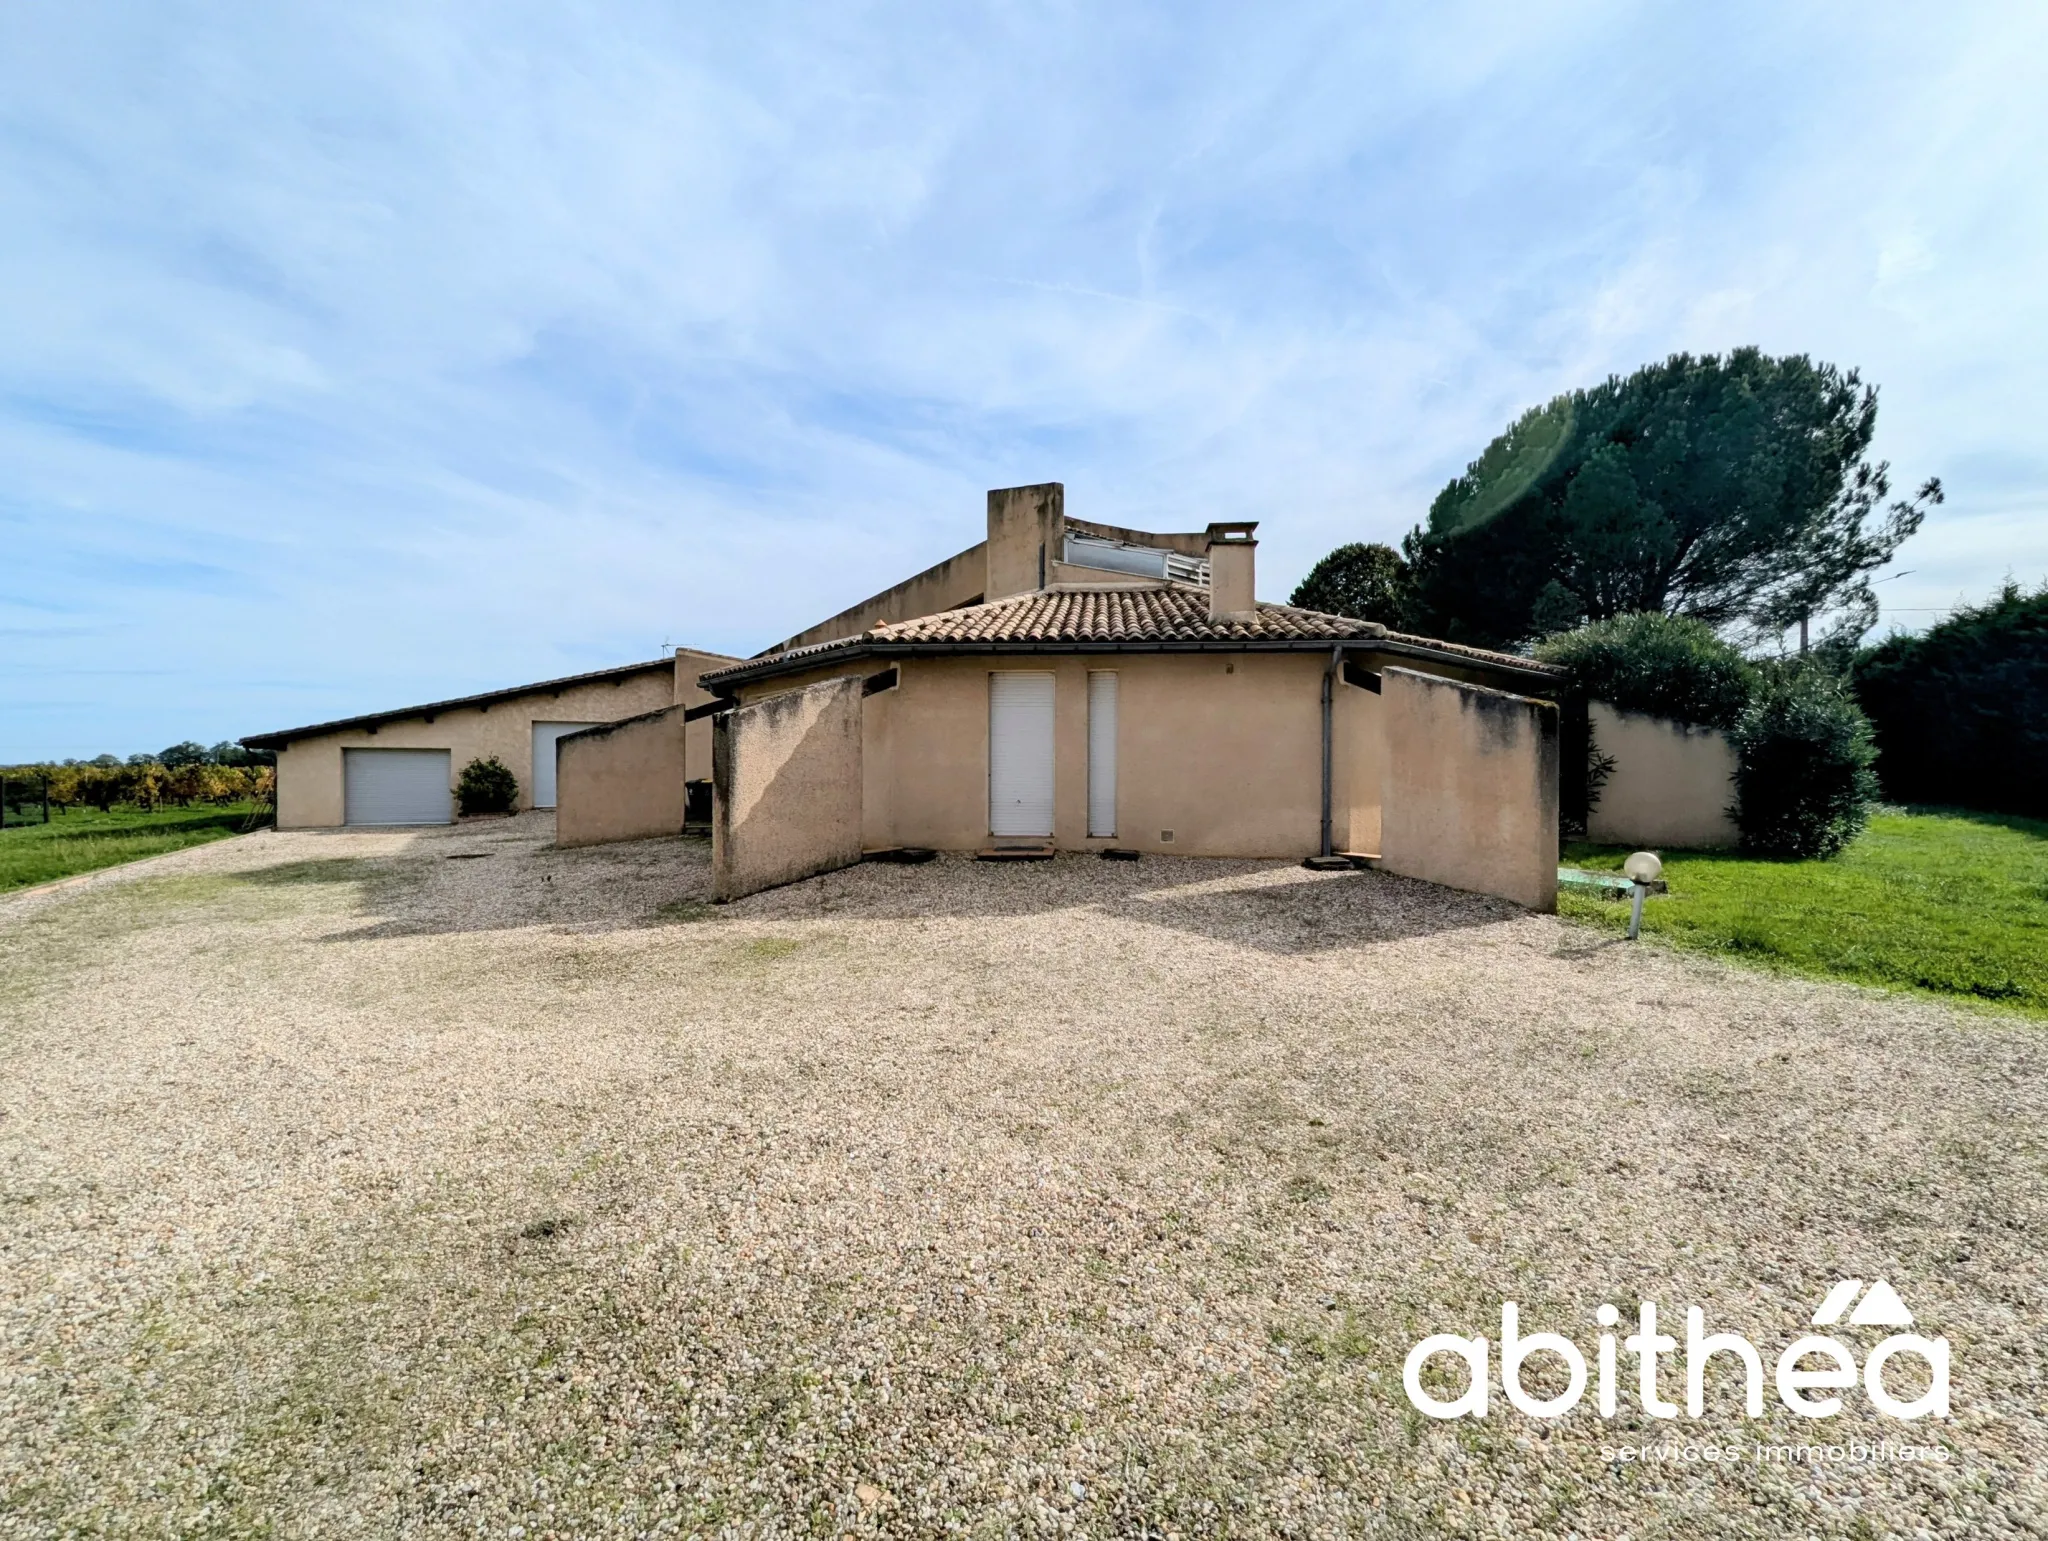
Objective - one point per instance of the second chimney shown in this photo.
(1231, 551)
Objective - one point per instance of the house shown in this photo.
(1072, 686)
(1062, 685)
(399, 767)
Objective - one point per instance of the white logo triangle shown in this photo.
(1831, 1309)
(1881, 1308)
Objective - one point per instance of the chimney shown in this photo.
(1231, 549)
(1027, 529)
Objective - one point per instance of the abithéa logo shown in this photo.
(1806, 1389)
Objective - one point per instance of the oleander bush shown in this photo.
(1804, 783)
(486, 786)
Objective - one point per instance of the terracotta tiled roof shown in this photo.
(1066, 617)
(1118, 614)
(1479, 654)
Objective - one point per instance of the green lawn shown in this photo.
(84, 839)
(1931, 899)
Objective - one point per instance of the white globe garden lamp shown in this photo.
(1641, 870)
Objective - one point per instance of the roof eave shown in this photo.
(286, 736)
(862, 647)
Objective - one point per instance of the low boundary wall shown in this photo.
(1471, 787)
(621, 781)
(1671, 786)
(786, 788)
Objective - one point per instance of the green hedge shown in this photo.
(1961, 713)
(1661, 665)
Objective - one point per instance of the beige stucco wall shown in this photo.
(1224, 751)
(309, 785)
(1471, 787)
(622, 782)
(944, 586)
(1358, 768)
(878, 766)
(787, 788)
(1671, 784)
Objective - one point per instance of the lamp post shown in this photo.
(1641, 870)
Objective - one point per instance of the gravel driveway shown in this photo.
(446, 1183)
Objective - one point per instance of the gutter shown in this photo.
(1329, 691)
(856, 647)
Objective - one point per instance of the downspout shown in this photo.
(1329, 691)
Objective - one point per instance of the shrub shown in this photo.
(486, 786)
(1804, 784)
(1661, 665)
(1961, 713)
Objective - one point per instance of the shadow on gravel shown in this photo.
(1273, 906)
(510, 876)
(326, 869)
(1348, 910)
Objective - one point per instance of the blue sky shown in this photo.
(359, 355)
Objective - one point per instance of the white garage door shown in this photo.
(1020, 753)
(545, 735)
(396, 786)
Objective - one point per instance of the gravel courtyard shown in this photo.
(449, 1184)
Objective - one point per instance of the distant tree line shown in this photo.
(181, 776)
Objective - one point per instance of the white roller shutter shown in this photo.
(1101, 752)
(396, 786)
(1020, 753)
(545, 736)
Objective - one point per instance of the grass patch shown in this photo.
(324, 869)
(1940, 900)
(50, 944)
(679, 912)
(85, 840)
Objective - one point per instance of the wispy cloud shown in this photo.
(386, 352)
